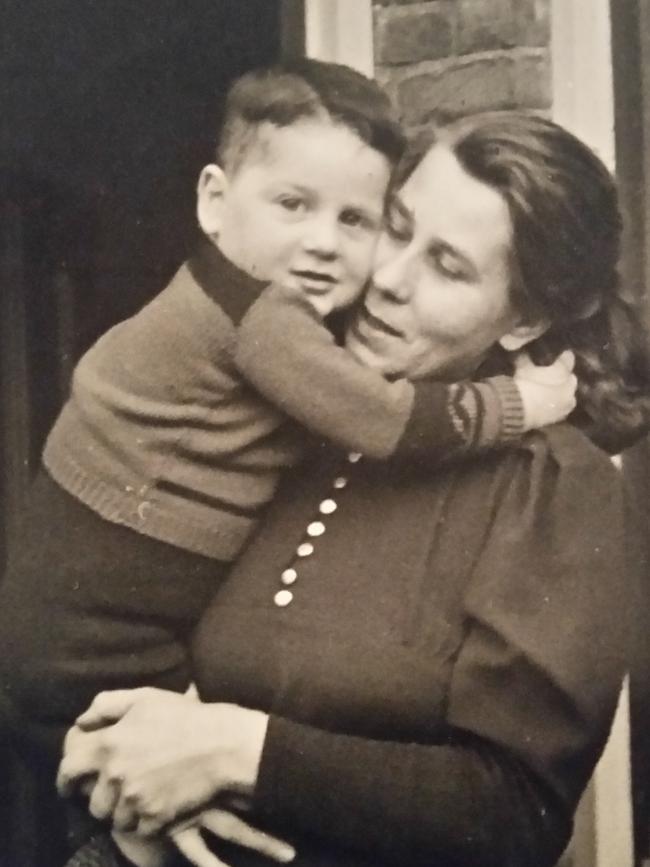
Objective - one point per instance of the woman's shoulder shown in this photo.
(555, 473)
(569, 449)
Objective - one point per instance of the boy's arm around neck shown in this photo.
(286, 352)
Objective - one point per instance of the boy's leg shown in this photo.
(88, 605)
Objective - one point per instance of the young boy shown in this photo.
(165, 454)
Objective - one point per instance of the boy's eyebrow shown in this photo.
(287, 182)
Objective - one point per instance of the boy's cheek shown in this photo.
(341, 300)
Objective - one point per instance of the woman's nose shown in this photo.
(393, 276)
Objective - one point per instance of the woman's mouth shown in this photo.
(378, 324)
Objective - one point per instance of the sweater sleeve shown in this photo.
(532, 695)
(446, 805)
(548, 613)
(285, 351)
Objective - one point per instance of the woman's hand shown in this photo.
(168, 755)
(110, 706)
(187, 838)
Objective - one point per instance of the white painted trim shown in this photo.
(581, 56)
(583, 101)
(612, 794)
(341, 31)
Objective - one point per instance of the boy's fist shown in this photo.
(548, 393)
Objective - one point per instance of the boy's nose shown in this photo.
(321, 238)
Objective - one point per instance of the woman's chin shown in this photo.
(367, 356)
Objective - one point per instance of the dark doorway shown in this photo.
(108, 110)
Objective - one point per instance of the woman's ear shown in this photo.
(210, 194)
(522, 334)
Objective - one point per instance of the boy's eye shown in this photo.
(353, 219)
(291, 203)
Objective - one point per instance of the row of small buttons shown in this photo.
(314, 529)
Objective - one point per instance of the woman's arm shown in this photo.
(465, 802)
(400, 803)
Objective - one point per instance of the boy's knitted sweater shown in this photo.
(177, 426)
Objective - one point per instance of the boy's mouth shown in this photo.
(315, 281)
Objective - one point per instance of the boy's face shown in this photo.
(304, 209)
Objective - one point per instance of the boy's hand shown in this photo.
(548, 393)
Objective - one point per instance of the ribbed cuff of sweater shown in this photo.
(503, 419)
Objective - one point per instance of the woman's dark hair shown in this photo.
(565, 254)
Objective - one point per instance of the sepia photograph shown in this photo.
(324, 457)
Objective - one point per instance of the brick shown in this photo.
(485, 25)
(458, 89)
(417, 34)
(533, 23)
(533, 81)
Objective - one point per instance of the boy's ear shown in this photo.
(522, 334)
(210, 193)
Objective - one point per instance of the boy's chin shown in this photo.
(322, 304)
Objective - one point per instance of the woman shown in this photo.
(421, 668)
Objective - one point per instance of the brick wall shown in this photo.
(458, 56)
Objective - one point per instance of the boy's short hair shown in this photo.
(305, 88)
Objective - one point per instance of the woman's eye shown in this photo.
(449, 267)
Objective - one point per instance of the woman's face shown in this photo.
(439, 295)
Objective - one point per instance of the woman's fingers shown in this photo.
(103, 798)
(227, 826)
(110, 706)
(152, 822)
(232, 828)
(191, 845)
(125, 817)
(79, 761)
